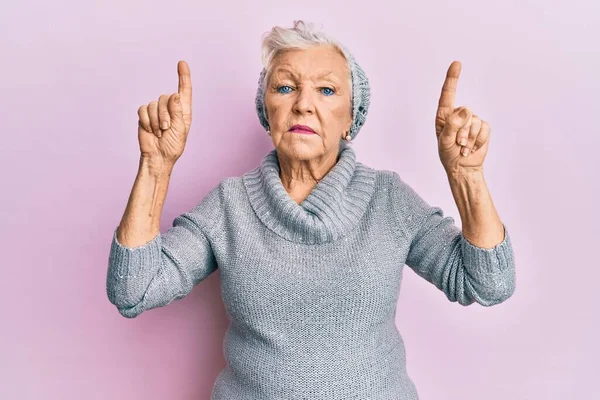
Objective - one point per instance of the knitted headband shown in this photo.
(361, 96)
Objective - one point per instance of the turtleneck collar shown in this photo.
(333, 207)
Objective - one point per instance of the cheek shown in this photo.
(275, 108)
(342, 113)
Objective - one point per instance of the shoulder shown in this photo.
(230, 184)
(398, 190)
(208, 212)
(224, 189)
(385, 179)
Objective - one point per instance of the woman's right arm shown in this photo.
(141, 221)
(147, 269)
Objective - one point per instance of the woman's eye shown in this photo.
(328, 91)
(280, 89)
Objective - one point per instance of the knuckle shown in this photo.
(456, 126)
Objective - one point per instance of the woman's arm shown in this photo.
(141, 220)
(441, 254)
(481, 225)
(147, 269)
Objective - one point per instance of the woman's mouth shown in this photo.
(302, 129)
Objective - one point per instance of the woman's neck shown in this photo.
(333, 207)
(299, 177)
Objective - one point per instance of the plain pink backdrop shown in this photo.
(74, 73)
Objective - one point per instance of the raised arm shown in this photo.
(147, 269)
(169, 266)
(443, 256)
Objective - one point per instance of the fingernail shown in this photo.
(465, 151)
(463, 142)
(463, 113)
(164, 125)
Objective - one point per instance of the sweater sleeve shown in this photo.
(169, 266)
(440, 253)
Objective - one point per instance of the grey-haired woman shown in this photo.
(311, 243)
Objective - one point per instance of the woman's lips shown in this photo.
(303, 129)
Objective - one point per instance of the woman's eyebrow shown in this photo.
(329, 75)
(285, 71)
(325, 74)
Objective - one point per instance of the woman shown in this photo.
(311, 243)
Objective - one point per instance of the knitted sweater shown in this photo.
(310, 289)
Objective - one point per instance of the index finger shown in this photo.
(185, 82)
(449, 88)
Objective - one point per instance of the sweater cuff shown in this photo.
(130, 262)
(481, 260)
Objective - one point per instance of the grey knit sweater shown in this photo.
(310, 289)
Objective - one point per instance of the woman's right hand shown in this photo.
(163, 125)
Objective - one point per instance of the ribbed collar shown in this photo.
(334, 206)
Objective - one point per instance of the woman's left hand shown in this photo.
(451, 128)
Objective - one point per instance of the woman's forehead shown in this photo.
(313, 63)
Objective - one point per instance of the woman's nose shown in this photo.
(304, 102)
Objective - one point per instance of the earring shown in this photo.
(348, 137)
(268, 132)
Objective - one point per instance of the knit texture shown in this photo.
(310, 289)
(361, 95)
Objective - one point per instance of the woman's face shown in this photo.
(309, 87)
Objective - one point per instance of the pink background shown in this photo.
(74, 73)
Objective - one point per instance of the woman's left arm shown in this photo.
(481, 225)
(476, 264)
(463, 141)
(439, 252)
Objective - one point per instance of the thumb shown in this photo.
(457, 120)
(176, 112)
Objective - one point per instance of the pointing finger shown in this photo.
(449, 88)
(185, 82)
(185, 91)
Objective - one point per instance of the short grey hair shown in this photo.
(304, 36)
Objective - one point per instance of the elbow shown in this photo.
(500, 295)
(488, 289)
(487, 299)
(130, 312)
(498, 291)
(125, 306)
(127, 299)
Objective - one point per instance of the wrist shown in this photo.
(465, 175)
(155, 165)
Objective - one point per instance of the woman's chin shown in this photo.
(301, 149)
